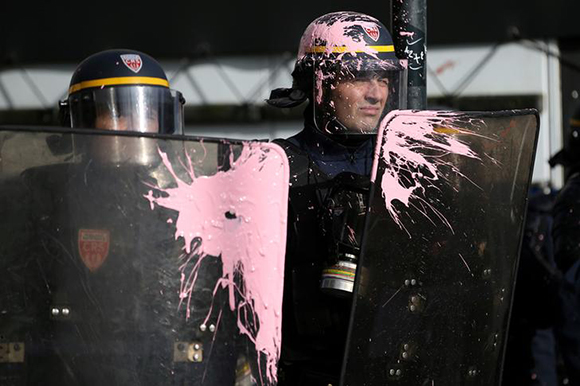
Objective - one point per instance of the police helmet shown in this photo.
(122, 90)
(342, 46)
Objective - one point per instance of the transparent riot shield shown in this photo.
(440, 250)
(132, 259)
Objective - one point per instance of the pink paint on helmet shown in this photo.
(340, 46)
(332, 37)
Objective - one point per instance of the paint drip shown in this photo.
(240, 216)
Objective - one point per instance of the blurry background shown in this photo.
(225, 57)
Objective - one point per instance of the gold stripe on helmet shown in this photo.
(342, 49)
(118, 81)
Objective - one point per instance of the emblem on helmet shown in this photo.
(93, 247)
(373, 32)
(133, 62)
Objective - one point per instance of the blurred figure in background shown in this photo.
(566, 235)
(531, 354)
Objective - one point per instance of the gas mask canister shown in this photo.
(342, 219)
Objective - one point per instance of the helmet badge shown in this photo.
(373, 32)
(133, 62)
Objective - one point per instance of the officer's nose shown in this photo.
(374, 93)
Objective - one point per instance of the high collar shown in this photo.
(334, 157)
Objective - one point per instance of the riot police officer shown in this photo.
(347, 72)
(103, 261)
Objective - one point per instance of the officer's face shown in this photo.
(116, 149)
(125, 123)
(359, 102)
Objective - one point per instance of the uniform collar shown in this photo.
(322, 147)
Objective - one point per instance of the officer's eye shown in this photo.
(360, 80)
(152, 115)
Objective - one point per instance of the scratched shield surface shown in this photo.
(441, 245)
(131, 259)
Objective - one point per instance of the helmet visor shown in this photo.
(146, 109)
(353, 99)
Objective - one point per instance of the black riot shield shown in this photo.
(132, 259)
(440, 249)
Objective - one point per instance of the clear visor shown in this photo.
(146, 109)
(353, 101)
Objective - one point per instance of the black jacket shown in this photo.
(314, 324)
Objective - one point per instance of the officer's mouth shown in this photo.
(370, 111)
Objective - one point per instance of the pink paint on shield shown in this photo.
(413, 148)
(240, 216)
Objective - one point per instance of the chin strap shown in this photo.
(341, 134)
(286, 97)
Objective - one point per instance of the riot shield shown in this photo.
(440, 250)
(131, 259)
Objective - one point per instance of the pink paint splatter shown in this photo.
(445, 66)
(413, 150)
(239, 215)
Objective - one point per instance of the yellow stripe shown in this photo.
(574, 122)
(339, 272)
(320, 49)
(117, 81)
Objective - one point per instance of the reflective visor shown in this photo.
(353, 98)
(146, 109)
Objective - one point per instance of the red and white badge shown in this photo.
(94, 247)
(133, 62)
(373, 32)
